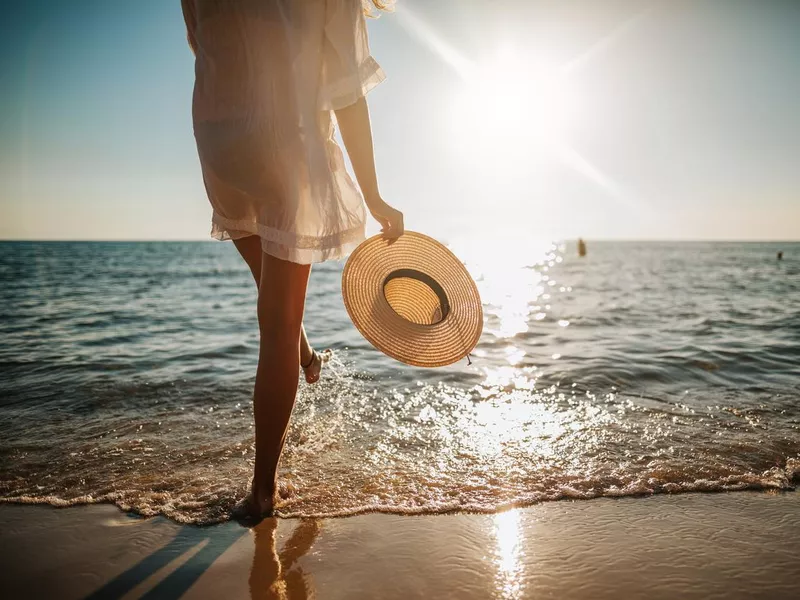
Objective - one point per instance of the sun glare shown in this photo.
(513, 112)
(511, 106)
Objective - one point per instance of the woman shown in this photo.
(268, 76)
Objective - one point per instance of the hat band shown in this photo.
(430, 282)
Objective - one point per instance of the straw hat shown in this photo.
(412, 299)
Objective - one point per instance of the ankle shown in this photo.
(307, 360)
(263, 491)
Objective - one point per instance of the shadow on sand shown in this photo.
(273, 574)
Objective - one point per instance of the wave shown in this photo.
(217, 508)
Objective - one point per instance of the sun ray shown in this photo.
(567, 153)
(470, 72)
(578, 163)
(606, 42)
(424, 33)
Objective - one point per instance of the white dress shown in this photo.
(268, 73)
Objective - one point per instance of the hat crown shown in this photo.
(416, 296)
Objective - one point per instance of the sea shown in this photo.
(127, 368)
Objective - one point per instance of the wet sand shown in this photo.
(734, 545)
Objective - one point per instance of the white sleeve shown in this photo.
(348, 70)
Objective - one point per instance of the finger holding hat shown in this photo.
(390, 219)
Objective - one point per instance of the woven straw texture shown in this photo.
(420, 337)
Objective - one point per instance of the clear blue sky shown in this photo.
(683, 120)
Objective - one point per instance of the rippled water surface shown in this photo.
(126, 371)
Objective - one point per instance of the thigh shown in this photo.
(282, 294)
(250, 249)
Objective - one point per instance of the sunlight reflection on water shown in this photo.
(508, 559)
(498, 427)
(508, 284)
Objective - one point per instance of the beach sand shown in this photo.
(733, 545)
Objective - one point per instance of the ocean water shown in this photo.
(126, 372)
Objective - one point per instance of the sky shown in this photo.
(612, 119)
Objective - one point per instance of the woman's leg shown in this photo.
(280, 307)
(281, 299)
(250, 249)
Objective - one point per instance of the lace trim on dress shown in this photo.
(303, 249)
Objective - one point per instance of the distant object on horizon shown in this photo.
(581, 247)
(780, 255)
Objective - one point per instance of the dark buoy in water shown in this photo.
(581, 247)
(780, 255)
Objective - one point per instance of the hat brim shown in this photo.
(439, 344)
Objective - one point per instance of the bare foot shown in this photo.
(253, 507)
(257, 505)
(250, 510)
(313, 369)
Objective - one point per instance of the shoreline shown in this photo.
(694, 545)
(775, 481)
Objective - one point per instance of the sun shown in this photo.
(513, 113)
(512, 104)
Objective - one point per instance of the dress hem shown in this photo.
(302, 250)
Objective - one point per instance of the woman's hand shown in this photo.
(390, 218)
